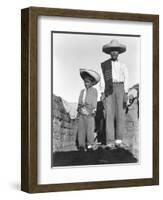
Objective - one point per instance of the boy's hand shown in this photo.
(84, 111)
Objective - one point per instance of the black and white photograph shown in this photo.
(90, 99)
(95, 87)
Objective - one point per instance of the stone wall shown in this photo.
(64, 128)
(132, 127)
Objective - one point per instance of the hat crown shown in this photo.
(114, 45)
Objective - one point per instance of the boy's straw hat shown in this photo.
(90, 73)
(114, 45)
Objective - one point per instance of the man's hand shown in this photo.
(125, 99)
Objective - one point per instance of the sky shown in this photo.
(74, 51)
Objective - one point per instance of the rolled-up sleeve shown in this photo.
(125, 73)
(101, 83)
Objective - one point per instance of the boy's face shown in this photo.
(88, 83)
(114, 55)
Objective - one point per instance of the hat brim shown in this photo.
(84, 73)
(107, 49)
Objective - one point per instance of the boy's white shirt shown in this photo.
(83, 99)
(84, 111)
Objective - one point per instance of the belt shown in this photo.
(118, 82)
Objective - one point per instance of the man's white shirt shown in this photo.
(119, 74)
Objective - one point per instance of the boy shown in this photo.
(86, 109)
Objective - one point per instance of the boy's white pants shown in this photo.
(86, 130)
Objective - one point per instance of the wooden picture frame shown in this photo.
(29, 109)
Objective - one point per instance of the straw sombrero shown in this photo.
(114, 45)
(90, 73)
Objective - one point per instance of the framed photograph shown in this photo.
(89, 99)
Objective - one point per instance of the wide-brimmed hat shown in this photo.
(114, 45)
(84, 73)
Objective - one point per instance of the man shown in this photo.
(115, 76)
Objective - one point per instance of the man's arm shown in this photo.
(101, 86)
(125, 71)
(101, 83)
(125, 99)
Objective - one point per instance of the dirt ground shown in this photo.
(99, 156)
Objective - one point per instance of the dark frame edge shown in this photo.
(24, 99)
(28, 101)
(94, 14)
(92, 185)
(156, 100)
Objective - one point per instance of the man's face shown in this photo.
(114, 55)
